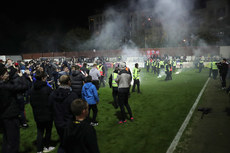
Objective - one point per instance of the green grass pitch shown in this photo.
(158, 114)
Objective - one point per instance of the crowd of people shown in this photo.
(214, 65)
(65, 93)
(62, 94)
(168, 66)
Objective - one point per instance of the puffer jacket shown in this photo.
(77, 79)
(39, 100)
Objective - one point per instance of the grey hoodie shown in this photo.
(123, 79)
(94, 73)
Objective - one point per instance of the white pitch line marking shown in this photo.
(175, 141)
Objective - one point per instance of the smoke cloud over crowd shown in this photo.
(171, 18)
(172, 15)
(175, 18)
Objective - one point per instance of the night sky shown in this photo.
(18, 19)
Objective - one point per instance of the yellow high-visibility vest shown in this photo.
(114, 83)
(136, 73)
(214, 66)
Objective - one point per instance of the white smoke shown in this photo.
(175, 19)
(110, 33)
(197, 51)
(179, 71)
(161, 74)
(172, 16)
(128, 51)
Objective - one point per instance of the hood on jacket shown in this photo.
(88, 85)
(61, 93)
(39, 84)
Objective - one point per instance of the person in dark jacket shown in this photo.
(64, 72)
(85, 69)
(15, 75)
(105, 71)
(61, 99)
(42, 110)
(9, 111)
(55, 74)
(79, 136)
(77, 79)
(114, 86)
(223, 70)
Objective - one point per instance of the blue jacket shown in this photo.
(89, 93)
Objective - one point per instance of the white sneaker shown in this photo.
(40, 152)
(94, 123)
(48, 149)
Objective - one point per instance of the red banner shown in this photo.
(157, 52)
(152, 52)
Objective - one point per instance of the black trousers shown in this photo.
(115, 96)
(43, 127)
(22, 117)
(95, 110)
(152, 69)
(210, 72)
(123, 94)
(223, 78)
(158, 71)
(11, 135)
(168, 75)
(102, 81)
(155, 70)
(147, 68)
(60, 131)
(200, 68)
(136, 83)
(214, 74)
